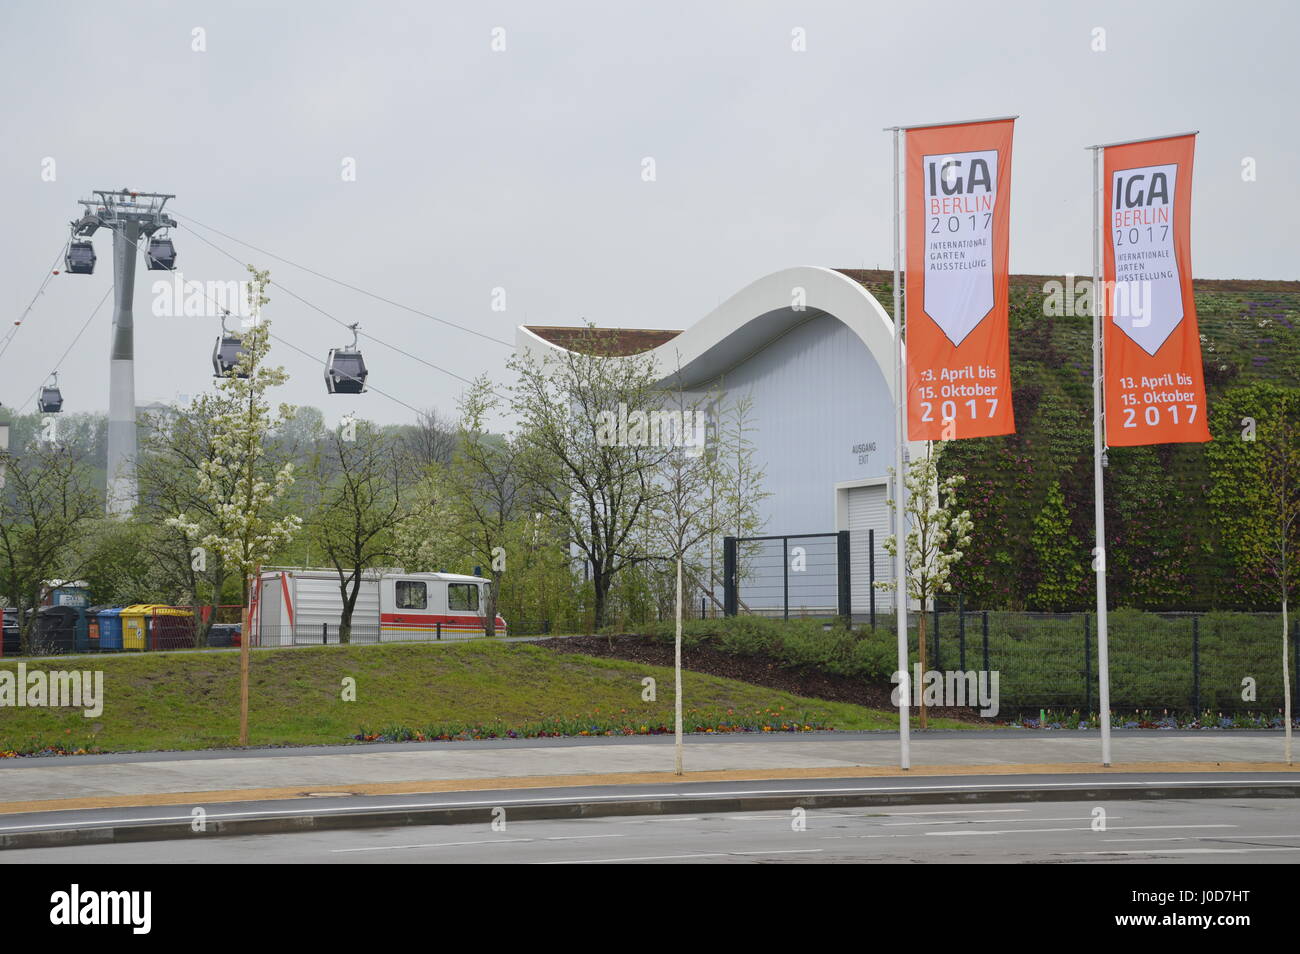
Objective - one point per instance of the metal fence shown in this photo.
(159, 628)
(802, 574)
(1224, 662)
(68, 630)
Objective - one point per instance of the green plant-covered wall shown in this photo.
(1165, 534)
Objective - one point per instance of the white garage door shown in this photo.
(868, 510)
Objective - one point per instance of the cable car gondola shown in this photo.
(51, 399)
(227, 352)
(80, 258)
(345, 369)
(161, 255)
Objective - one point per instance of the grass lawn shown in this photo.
(191, 700)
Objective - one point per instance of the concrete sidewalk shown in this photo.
(159, 778)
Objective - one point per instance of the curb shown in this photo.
(650, 805)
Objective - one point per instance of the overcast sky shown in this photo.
(522, 169)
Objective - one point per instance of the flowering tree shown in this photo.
(240, 482)
(937, 534)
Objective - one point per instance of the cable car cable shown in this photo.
(338, 281)
(320, 361)
(340, 321)
(49, 274)
(68, 349)
(308, 354)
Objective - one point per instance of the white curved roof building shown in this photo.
(814, 349)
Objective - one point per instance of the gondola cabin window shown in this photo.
(411, 594)
(462, 596)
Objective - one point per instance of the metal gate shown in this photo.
(800, 574)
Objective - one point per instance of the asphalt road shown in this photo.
(948, 787)
(1238, 831)
(955, 828)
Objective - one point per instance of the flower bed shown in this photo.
(609, 724)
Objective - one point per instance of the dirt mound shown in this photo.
(756, 670)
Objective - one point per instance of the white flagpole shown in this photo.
(1099, 301)
(677, 678)
(900, 495)
(905, 688)
(1099, 437)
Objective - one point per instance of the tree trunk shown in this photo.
(27, 631)
(24, 636)
(201, 625)
(349, 589)
(345, 622)
(490, 608)
(217, 580)
(600, 586)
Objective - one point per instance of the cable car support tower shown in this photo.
(129, 215)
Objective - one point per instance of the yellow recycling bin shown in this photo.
(157, 626)
(135, 626)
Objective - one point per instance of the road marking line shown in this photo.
(1196, 838)
(1034, 831)
(991, 821)
(640, 821)
(956, 811)
(713, 854)
(605, 861)
(1195, 851)
(844, 837)
(756, 817)
(440, 844)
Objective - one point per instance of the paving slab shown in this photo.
(154, 774)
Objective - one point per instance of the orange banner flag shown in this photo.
(1155, 384)
(958, 219)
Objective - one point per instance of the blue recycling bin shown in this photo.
(110, 628)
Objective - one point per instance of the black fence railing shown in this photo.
(168, 634)
(801, 574)
(1225, 662)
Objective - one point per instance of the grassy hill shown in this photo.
(191, 700)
